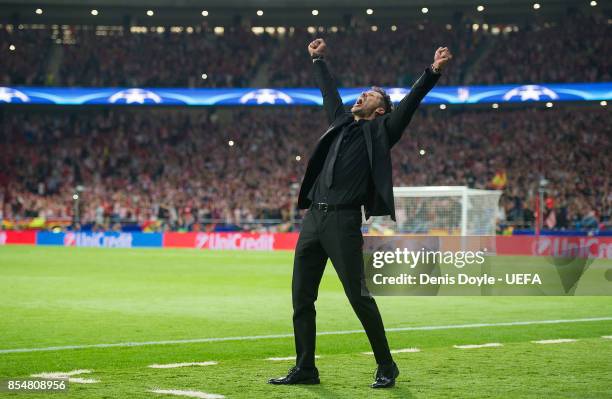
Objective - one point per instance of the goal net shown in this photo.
(443, 210)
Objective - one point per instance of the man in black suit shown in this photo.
(350, 167)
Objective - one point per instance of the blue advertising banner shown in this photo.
(298, 96)
(100, 240)
(48, 238)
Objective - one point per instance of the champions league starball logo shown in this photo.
(138, 96)
(9, 95)
(266, 96)
(531, 92)
(396, 94)
(463, 94)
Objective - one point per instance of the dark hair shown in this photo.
(386, 101)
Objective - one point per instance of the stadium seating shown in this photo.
(384, 56)
(168, 60)
(177, 165)
(25, 62)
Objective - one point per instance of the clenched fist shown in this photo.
(442, 56)
(317, 48)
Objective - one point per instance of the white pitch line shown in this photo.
(606, 336)
(190, 394)
(393, 351)
(256, 337)
(490, 345)
(554, 341)
(280, 359)
(176, 365)
(67, 375)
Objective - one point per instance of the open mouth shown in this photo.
(359, 101)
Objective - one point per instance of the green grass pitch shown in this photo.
(54, 296)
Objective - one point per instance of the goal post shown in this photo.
(442, 210)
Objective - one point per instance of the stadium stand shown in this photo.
(171, 59)
(116, 155)
(26, 61)
(513, 54)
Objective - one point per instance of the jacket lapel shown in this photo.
(336, 123)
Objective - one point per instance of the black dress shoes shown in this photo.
(298, 375)
(385, 376)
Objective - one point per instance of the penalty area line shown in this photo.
(274, 336)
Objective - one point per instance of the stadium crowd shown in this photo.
(363, 54)
(166, 60)
(566, 150)
(570, 51)
(176, 166)
(24, 58)
(176, 169)
(362, 57)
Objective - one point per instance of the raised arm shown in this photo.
(332, 103)
(401, 116)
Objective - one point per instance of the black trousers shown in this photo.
(335, 235)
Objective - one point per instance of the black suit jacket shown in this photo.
(381, 134)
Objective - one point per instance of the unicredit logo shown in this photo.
(201, 240)
(121, 240)
(541, 246)
(69, 239)
(572, 247)
(259, 242)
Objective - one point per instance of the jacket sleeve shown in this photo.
(400, 117)
(332, 102)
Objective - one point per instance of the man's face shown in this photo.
(368, 103)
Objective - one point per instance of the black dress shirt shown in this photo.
(346, 172)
